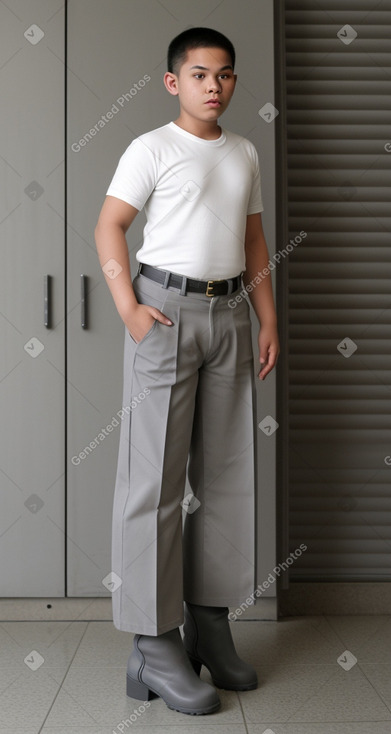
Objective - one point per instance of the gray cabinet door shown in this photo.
(105, 59)
(116, 62)
(32, 548)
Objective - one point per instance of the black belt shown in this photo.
(189, 285)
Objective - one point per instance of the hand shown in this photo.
(141, 321)
(269, 349)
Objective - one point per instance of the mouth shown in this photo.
(213, 103)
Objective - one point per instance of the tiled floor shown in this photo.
(79, 687)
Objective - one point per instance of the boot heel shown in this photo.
(197, 665)
(136, 689)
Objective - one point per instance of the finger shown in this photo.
(159, 316)
(269, 364)
(263, 354)
(265, 371)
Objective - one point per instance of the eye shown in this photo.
(198, 76)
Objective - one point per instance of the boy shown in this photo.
(188, 351)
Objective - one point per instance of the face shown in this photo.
(205, 83)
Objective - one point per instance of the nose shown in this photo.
(214, 85)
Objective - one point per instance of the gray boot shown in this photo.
(208, 641)
(159, 665)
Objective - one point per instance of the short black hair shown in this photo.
(196, 38)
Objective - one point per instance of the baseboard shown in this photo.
(68, 609)
(343, 598)
(301, 599)
(89, 609)
(264, 609)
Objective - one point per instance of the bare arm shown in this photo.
(115, 218)
(261, 295)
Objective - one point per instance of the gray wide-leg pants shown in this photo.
(190, 392)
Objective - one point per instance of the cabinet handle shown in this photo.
(83, 280)
(47, 301)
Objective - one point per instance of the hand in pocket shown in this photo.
(142, 321)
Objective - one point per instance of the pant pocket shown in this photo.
(148, 294)
(149, 332)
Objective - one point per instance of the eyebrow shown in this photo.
(205, 68)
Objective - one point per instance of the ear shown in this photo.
(171, 83)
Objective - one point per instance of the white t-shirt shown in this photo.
(197, 194)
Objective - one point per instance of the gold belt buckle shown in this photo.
(208, 287)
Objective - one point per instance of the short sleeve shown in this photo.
(135, 176)
(255, 201)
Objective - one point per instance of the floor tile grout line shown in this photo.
(378, 693)
(386, 621)
(242, 710)
(60, 687)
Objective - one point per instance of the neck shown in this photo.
(205, 130)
